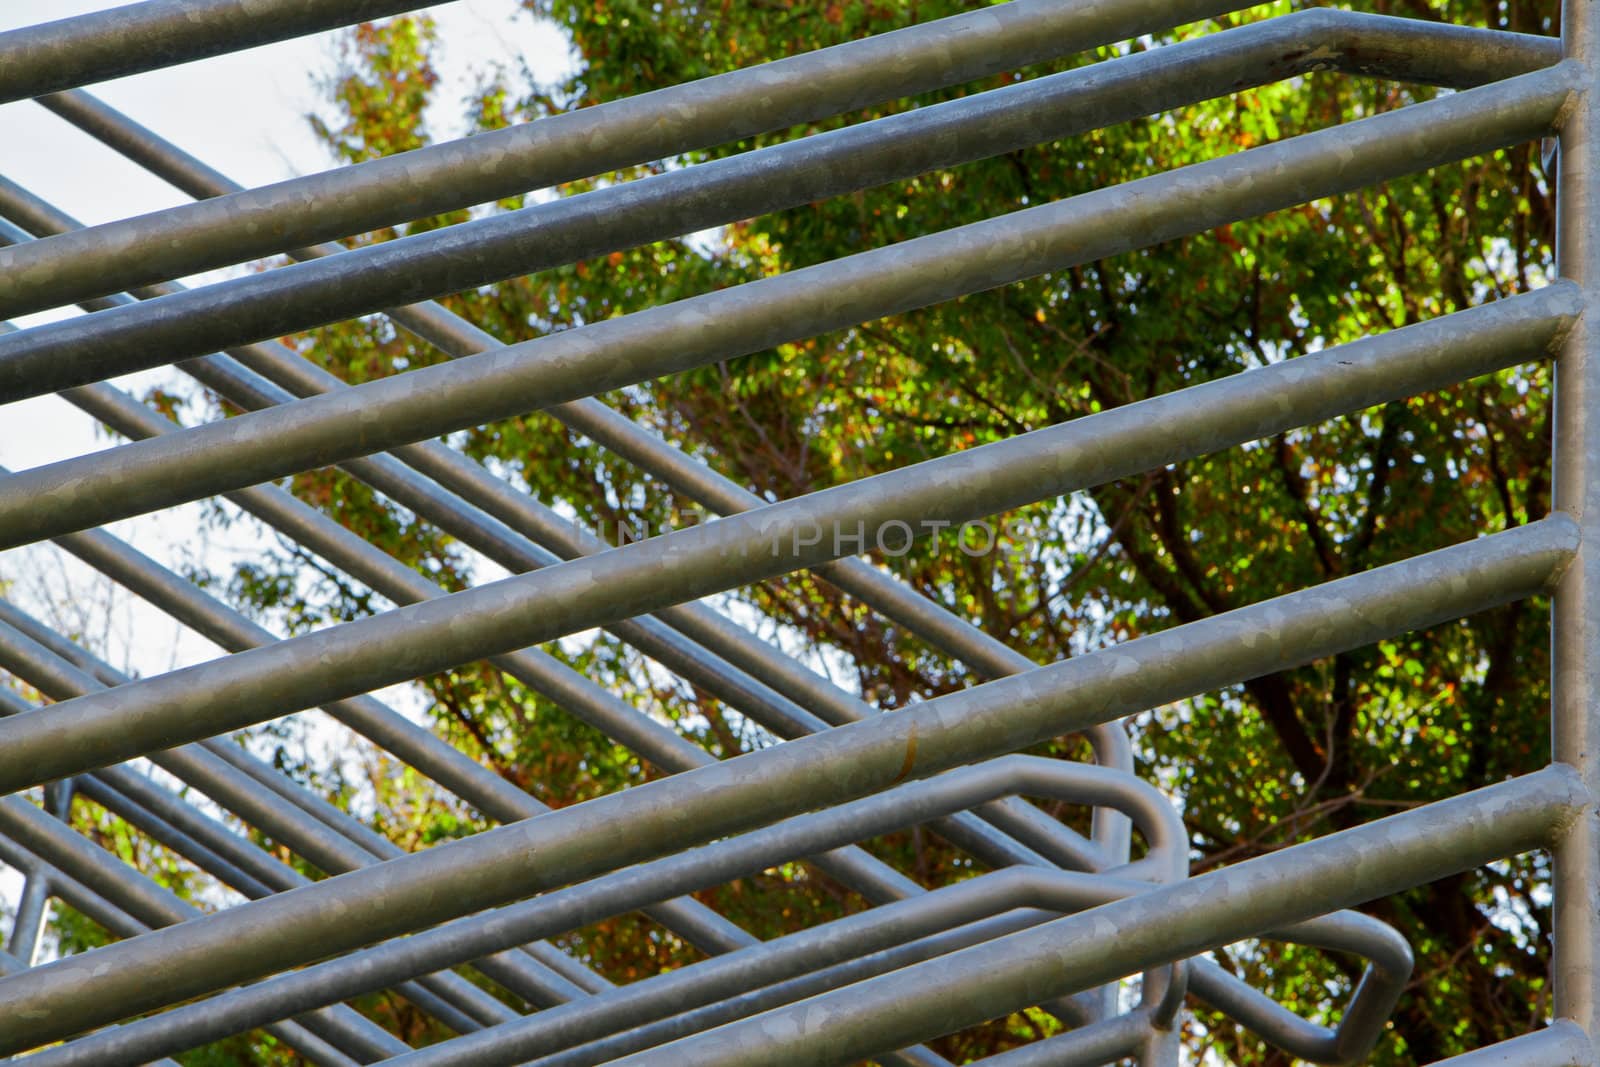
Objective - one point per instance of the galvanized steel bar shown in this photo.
(211, 768)
(52, 56)
(523, 515)
(1341, 870)
(869, 285)
(256, 447)
(120, 924)
(154, 907)
(752, 790)
(93, 547)
(1562, 1044)
(352, 658)
(901, 972)
(1575, 621)
(591, 901)
(241, 226)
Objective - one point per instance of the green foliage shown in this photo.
(1259, 765)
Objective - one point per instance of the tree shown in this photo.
(1278, 759)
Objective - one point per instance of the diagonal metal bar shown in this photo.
(465, 1007)
(193, 238)
(1341, 870)
(847, 762)
(674, 120)
(845, 774)
(52, 56)
(751, 696)
(886, 281)
(348, 659)
(151, 906)
(256, 447)
(1562, 1044)
(568, 909)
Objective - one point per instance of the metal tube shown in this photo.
(256, 447)
(52, 56)
(858, 870)
(457, 337)
(1575, 619)
(204, 769)
(1091, 1046)
(1362, 1024)
(356, 657)
(863, 966)
(858, 867)
(680, 993)
(560, 148)
(1008, 248)
(952, 634)
(748, 806)
(503, 545)
(74, 893)
(155, 907)
(404, 585)
(1561, 1044)
(475, 1010)
(120, 924)
(849, 761)
(140, 816)
(579, 905)
(192, 238)
(132, 797)
(1137, 932)
(546, 675)
(481, 787)
(33, 911)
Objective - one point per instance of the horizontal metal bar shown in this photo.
(741, 794)
(717, 676)
(1342, 870)
(120, 924)
(157, 907)
(559, 148)
(482, 788)
(456, 337)
(1091, 1046)
(260, 306)
(304, 823)
(570, 909)
(781, 694)
(356, 657)
(651, 739)
(753, 797)
(51, 56)
(654, 740)
(521, 513)
(623, 1012)
(866, 965)
(419, 404)
(241, 226)
(589, 902)
(1561, 1044)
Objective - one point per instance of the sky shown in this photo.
(245, 115)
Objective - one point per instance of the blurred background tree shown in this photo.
(1257, 766)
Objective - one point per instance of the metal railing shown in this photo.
(1063, 918)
